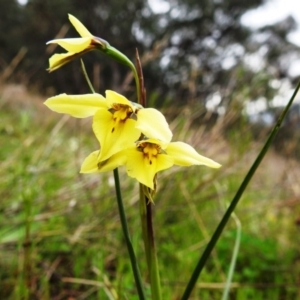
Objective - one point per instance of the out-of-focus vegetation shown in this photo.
(60, 235)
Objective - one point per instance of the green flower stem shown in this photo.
(154, 270)
(210, 246)
(143, 215)
(149, 242)
(134, 265)
(123, 59)
(146, 205)
(86, 76)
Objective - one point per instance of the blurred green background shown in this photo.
(215, 80)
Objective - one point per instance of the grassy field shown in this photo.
(60, 234)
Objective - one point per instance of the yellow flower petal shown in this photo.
(113, 97)
(75, 45)
(138, 166)
(185, 155)
(58, 60)
(113, 136)
(79, 106)
(153, 124)
(81, 29)
(91, 164)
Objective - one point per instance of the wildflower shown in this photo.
(117, 122)
(79, 46)
(121, 124)
(146, 158)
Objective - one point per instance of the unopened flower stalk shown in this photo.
(146, 212)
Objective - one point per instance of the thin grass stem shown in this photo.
(86, 76)
(210, 246)
(234, 256)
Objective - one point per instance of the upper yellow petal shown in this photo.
(79, 106)
(153, 124)
(81, 29)
(113, 136)
(185, 155)
(113, 97)
(75, 45)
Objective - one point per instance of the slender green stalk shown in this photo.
(86, 76)
(154, 270)
(146, 205)
(210, 246)
(143, 216)
(234, 256)
(149, 243)
(134, 265)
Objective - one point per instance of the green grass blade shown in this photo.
(86, 76)
(234, 256)
(210, 246)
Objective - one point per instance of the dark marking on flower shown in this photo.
(113, 130)
(133, 116)
(101, 164)
(150, 162)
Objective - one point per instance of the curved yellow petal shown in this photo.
(75, 45)
(153, 124)
(91, 164)
(113, 136)
(185, 155)
(58, 60)
(81, 29)
(113, 97)
(139, 167)
(79, 106)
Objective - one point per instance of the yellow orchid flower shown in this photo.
(121, 124)
(117, 122)
(74, 46)
(79, 46)
(146, 158)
